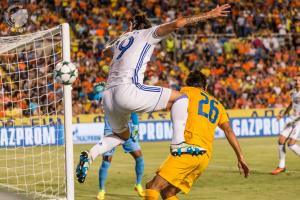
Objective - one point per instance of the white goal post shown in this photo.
(68, 117)
(36, 142)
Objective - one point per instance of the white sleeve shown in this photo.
(150, 35)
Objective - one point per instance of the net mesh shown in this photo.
(31, 105)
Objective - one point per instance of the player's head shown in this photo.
(196, 79)
(297, 80)
(139, 21)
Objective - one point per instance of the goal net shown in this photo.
(32, 146)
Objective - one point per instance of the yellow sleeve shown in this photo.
(223, 116)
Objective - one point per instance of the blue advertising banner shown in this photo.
(90, 133)
(243, 127)
(87, 133)
(25, 136)
(155, 130)
(162, 130)
(254, 127)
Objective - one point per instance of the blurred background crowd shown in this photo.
(250, 57)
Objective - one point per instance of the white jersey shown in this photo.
(292, 128)
(131, 53)
(295, 95)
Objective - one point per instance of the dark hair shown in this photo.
(140, 21)
(196, 79)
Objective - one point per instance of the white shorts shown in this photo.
(120, 101)
(292, 128)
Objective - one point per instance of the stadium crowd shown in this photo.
(249, 57)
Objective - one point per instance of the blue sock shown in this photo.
(135, 118)
(139, 169)
(103, 174)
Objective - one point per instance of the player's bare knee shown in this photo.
(281, 140)
(157, 183)
(149, 184)
(107, 158)
(136, 154)
(165, 194)
(169, 192)
(291, 142)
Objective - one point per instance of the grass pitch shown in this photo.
(221, 180)
(41, 170)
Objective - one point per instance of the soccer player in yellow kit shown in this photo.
(189, 159)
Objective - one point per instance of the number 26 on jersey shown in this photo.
(213, 112)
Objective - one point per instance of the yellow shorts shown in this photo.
(182, 171)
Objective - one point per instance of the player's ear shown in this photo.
(130, 26)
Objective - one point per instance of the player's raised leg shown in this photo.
(132, 146)
(291, 142)
(179, 104)
(87, 157)
(294, 147)
(107, 143)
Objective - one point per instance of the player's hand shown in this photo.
(243, 167)
(219, 11)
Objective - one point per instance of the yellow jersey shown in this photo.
(205, 113)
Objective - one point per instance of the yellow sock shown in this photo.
(151, 194)
(172, 198)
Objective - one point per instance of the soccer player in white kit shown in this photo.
(291, 130)
(125, 92)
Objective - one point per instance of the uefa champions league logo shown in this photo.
(16, 17)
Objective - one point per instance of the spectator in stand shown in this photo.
(257, 64)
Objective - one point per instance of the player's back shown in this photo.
(205, 113)
(131, 52)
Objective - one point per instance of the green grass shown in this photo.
(221, 180)
(44, 172)
(33, 170)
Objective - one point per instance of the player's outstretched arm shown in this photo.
(242, 165)
(165, 29)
